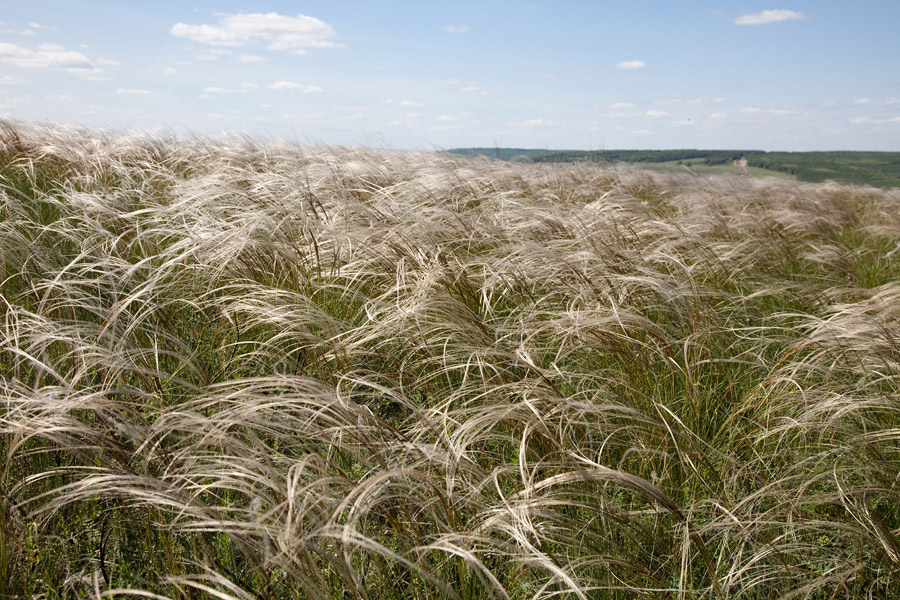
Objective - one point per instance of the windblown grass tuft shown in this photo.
(234, 369)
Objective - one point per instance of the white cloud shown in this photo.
(770, 16)
(304, 117)
(88, 74)
(221, 90)
(537, 123)
(775, 112)
(868, 121)
(718, 116)
(474, 89)
(25, 32)
(290, 85)
(683, 123)
(169, 71)
(133, 91)
(251, 58)
(403, 103)
(46, 55)
(34, 25)
(457, 28)
(108, 62)
(631, 64)
(249, 86)
(882, 101)
(283, 33)
(7, 80)
(656, 113)
(214, 54)
(622, 105)
(447, 118)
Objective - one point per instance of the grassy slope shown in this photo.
(232, 370)
(698, 167)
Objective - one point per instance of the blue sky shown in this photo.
(798, 75)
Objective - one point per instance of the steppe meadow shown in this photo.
(243, 370)
(509, 300)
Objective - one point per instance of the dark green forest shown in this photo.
(879, 169)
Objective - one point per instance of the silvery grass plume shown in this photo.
(246, 369)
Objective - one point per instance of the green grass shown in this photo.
(700, 168)
(241, 370)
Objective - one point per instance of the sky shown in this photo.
(795, 75)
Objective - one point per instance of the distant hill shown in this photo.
(880, 169)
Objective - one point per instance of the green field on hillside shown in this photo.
(698, 166)
(879, 169)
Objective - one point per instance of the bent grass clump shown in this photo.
(257, 370)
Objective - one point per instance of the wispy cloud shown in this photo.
(631, 64)
(46, 55)
(25, 32)
(871, 121)
(689, 101)
(132, 91)
(656, 113)
(770, 16)
(290, 85)
(108, 62)
(169, 71)
(473, 89)
(221, 90)
(88, 74)
(457, 28)
(403, 103)
(251, 58)
(283, 33)
(214, 54)
(879, 101)
(537, 123)
(775, 112)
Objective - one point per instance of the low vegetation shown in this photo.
(879, 169)
(234, 369)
